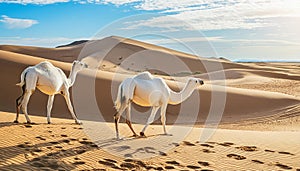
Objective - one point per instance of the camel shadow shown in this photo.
(6, 124)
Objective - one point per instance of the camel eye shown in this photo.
(196, 81)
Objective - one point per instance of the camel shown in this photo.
(49, 80)
(149, 91)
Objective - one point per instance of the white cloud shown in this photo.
(217, 14)
(39, 2)
(117, 2)
(17, 23)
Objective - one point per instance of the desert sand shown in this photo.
(245, 116)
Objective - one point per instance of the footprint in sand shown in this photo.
(80, 151)
(73, 139)
(63, 135)
(247, 148)
(41, 138)
(176, 144)
(188, 143)
(236, 156)
(284, 152)
(193, 167)
(79, 162)
(257, 161)
(208, 151)
(94, 145)
(282, 166)
(207, 145)
(57, 146)
(169, 167)
(37, 150)
(271, 151)
(159, 168)
(86, 142)
(66, 141)
(173, 162)
(203, 163)
(226, 144)
(162, 153)
(54, 142)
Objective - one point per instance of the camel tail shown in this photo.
(120, 98)
(23, 76)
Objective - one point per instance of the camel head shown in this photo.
(196, 82)
(78, 65)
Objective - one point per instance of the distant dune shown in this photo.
(72, 44)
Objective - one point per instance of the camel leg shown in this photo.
(163, 117)
(117, 119)
(49, 107)
(68, 101)
(18, 104)
(25, 103)
(150, 119)
(128, 119)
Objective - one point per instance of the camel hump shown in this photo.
(144, 75)
(44, 66)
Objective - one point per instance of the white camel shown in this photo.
(147, 90)
(50, 80)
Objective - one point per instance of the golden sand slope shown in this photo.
(66, 146)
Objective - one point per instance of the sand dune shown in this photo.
(238, 103)
(241, 96)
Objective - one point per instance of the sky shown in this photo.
(240, 30)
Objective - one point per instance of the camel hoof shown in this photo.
(142, 134)
(28, 122)
(49, 122)
(119, 139)
(78, 122)
(16, 121)
(166, 134)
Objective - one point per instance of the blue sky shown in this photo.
(235, 29)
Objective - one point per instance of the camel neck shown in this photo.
(72, 77)
(179, 97)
